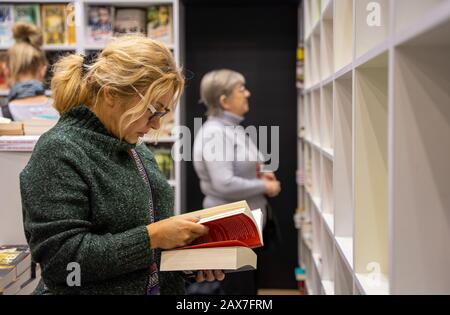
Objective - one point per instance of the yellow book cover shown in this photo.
(7, 258)
(54, 24)
(70, 21)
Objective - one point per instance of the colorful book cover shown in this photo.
(70, 21)
(160, 23)
(54, 24)
(28, 13)
(100, 24)
(6, 23)
(129, 21)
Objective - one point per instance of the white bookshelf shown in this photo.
(11, 230)
(327, 47)
(343, 33)
(376, 150)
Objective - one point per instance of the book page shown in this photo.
(209, 212)
(258, 217)
(238, 227)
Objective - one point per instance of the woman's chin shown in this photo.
(132, 140)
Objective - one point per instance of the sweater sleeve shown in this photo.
(55, 201)
(221, 173)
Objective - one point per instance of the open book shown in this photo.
(233, 231)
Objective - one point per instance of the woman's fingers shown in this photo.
(200, 277)
(210, 276)
(198, 229)
(219, 274)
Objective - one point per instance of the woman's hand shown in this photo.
(273, 187)
(175, 232)
(269, 176)
(210, 275)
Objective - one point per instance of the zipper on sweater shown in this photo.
(153, 278)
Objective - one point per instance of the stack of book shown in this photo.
(9, 128)
(18, 143)
(18, 275)
(38, 126)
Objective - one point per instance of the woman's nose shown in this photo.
(247, 93)
(155, 124)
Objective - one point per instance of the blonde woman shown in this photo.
(26, 66)
(91, 195)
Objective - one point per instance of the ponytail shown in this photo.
(26, 55)
(68, 86)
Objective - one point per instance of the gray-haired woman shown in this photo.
(226, 160)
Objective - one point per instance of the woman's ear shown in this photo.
(108, 96)
(223, 102)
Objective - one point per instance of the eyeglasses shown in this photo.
(155, 114)
(242, 88)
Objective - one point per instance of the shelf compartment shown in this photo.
(315, 118)
(305, 260)
(327, 192)
(308, 64)
(368, 35)
(343, 33)
(326, 48)
(343, 161)
(421, 169)
(327, 118)
(307, 155)
(317, 233)
(315, 12)
(300, 115)
(409, 11)
(315, 163)
(307, 114)
(316, 61)
(370, 166)
(327, 250)
(343, 278)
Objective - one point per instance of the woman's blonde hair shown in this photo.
(26, 55)
(125, 64)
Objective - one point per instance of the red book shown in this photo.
(230, 225)
(234, 230)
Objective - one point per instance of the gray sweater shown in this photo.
(226, 161)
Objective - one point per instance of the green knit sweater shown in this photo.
(84, 201)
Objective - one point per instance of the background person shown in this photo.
(224, 181)
(26, 66)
